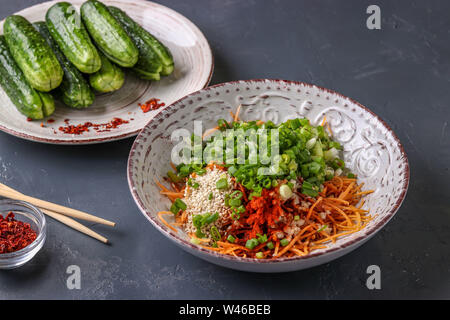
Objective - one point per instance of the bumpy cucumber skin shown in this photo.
(74, 90)
(16, 86)
(150, 65)
(144, 75)
(67, 29)
(109, 78)
(143, 36)
(108, 34)
(32, 54)
(48, 103)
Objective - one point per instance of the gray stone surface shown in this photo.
(401, 72)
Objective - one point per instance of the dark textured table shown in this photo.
(401, 72)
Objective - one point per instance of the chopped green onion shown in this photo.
(259, 255)
(270, 245)
(285, 192)
(296, 218)
(197, 221)
(331, 154)
(222, 184)
(192, 183)
(211, 218)
(237, 194)
(311, 142)
(200, 172)
(262, 238)
(231, 239)
(251, 243)
(195, 241)
(235, 202)
(215, 234)
(304, 150)
(210, 197)
(180, 204)
(173, 177)
(284, 242)
(323, 228)
(185, 171)
(174, 209)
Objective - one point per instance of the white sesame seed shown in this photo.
(198, 200)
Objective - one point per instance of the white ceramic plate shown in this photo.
(193, 71)
(371, 150)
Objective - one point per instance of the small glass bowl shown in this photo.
(26, 213)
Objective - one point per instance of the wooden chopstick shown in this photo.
(55, 207)
(74, 225)
(65, 220)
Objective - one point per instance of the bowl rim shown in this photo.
(42, 232)
(74, 140)
(212, 254)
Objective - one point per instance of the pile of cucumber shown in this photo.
(71, 56)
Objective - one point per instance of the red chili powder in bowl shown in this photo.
(14, 234)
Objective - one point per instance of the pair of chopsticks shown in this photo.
(60, 213)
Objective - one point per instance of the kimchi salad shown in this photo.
(301, 201)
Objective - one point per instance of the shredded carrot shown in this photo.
(164, 221)
(193, 235)
(349, 222)
(209, 131)
(174, 194)
(161, 186)
(313, 206)
(236, 116)
(337, 200)
(363, 193)
(297, 237)
(345, 193)
(277, 246)
(329, 129)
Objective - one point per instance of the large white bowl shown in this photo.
(193, 71)
(371, 150)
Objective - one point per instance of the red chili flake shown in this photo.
(29, 119)
(50, 120)
(151, 105)
(99, 127)
(14, 235)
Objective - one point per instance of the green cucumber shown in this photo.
(16, 86)
(154, 57)
(48, 103)
(32, 54)
(109, 78)
(145, 75)
(74, 90)
(67, 29)
(108, 34)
